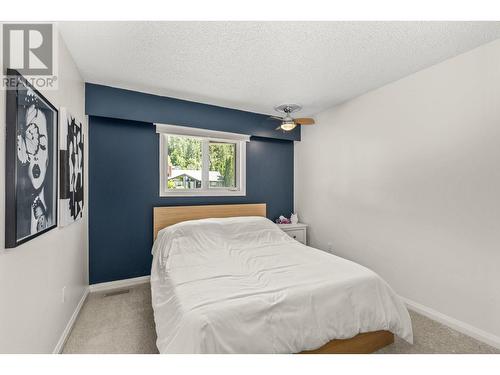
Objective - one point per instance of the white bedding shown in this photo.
(241, 285)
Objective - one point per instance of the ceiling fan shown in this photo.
(289, 123)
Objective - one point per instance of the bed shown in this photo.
(224, 279)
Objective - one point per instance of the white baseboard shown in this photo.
(101, 287)
(453, 323)
(64, 336)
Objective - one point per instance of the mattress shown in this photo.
(241, 285)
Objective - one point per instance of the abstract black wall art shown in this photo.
(71, 168)
(31, 162)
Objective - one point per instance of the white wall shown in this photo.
(32, 315)
(406, 181)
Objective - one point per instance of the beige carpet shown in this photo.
(124, 323)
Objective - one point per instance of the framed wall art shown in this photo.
(31, 163)
(70, 168)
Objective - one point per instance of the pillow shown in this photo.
(206, 236)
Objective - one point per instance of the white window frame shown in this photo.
(206, 136)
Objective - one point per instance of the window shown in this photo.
(199, 162)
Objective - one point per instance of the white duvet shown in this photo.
(241, 285)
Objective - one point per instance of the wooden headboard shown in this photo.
(166, 216)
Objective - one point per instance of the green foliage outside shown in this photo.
(222, 160)
(184, 153)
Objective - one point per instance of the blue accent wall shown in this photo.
(123, 180)
(112, 102)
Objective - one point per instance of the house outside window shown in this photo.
(191, 179)
(199, 162)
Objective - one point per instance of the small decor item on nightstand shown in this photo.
(283, 220)
(294, 219)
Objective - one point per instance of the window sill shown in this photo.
(204, 193)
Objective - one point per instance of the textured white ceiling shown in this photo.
(255, 66)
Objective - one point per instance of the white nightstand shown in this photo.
(296, 231)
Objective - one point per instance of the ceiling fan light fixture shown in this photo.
(288, 125)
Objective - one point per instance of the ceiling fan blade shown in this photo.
(278, 128)
(304, 121)
(276, 118)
